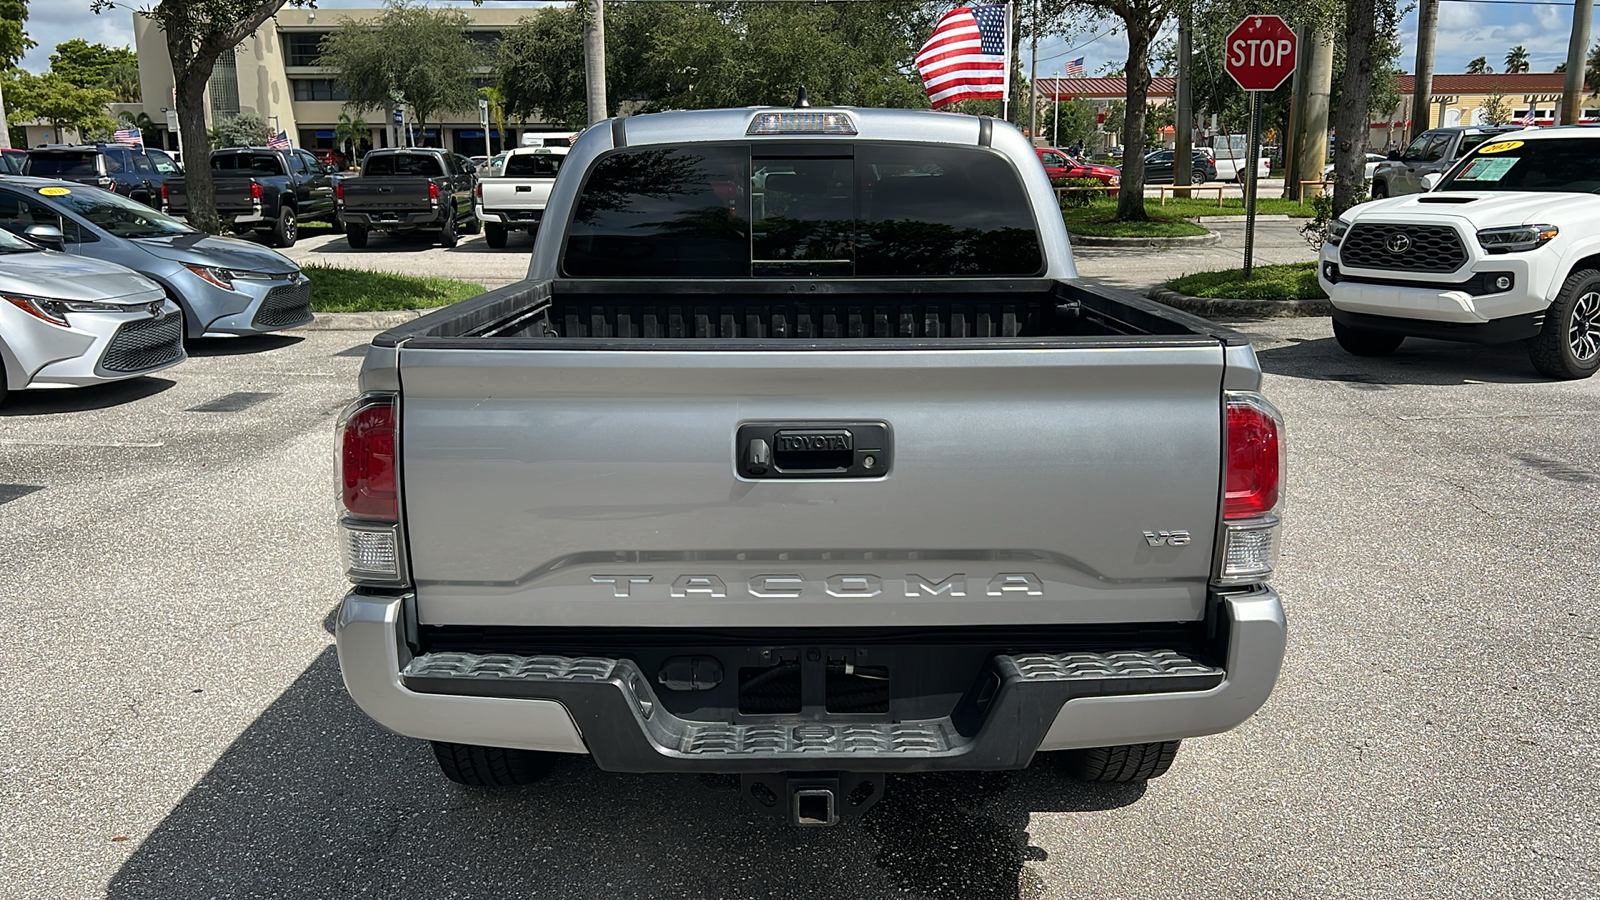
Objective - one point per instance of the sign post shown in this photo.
(1261, 53)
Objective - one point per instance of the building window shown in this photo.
(224, 87)
(317, 89)
(302, 49)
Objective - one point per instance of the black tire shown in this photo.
(337, 223)
(1197, 177)
(494, 235)
(490, 766)
(287, 230)
(356, 236)
(1568, 347)
(1123, 764)
(1361, 342)
(474, 225)
(447, 233)
(1380, 189)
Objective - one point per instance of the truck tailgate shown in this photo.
(599, 488)
(516, 193)
(369, 194)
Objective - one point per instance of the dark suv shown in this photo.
(134, 172)
(1158, 167)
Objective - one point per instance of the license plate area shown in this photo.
(813, 450)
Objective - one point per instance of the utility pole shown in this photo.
(594, 60)
(1577, 63)
(1317, 83)
(1183, 120)
(1421, 107)
(1033, 77)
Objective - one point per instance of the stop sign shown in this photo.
(1260, 53)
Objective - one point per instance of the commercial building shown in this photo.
(1466, 100)
(276, 74)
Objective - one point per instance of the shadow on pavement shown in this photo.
(83, 399)
(314, 800)
(239, 346)
(1418, 361)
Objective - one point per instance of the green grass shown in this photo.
(1094, 220)
(1205, 204)
(1295, 281)
(357, 290)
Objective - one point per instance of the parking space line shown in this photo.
(233, 402)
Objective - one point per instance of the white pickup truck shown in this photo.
(514, 199)
(1504, 247)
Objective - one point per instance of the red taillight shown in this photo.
(163, 193)
(366, 463)
(338, 191)
(433, 192)
(477, 191)
(1254, 453)
(255, 191)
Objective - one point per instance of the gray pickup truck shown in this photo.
(409, 189)
(803, 455)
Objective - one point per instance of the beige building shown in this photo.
(274, 74)
(1465, 99)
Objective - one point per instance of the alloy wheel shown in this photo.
(1584, 331)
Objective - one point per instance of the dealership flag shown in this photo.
(279, 141)
(128, 136)
(967, 56)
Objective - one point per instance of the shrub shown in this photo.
(1078, 199)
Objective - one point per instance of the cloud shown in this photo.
(1469, 30)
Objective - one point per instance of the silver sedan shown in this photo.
(225, 286)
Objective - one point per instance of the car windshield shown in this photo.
(405, 165)
(256, 163)
(1551, 165)
(532, 165)
(62, 165)
(116, 214)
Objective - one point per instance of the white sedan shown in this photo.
(1372, 166)
(69, 321)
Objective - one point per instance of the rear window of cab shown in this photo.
(870, 209)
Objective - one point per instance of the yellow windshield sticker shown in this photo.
(54, 191)
(1500, 147)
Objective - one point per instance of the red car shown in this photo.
(329, 157)
(1058, 165)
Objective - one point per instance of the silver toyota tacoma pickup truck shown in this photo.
(803, 455)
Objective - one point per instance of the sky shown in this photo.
(1466, 30)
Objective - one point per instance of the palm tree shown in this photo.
(141, 121)
(1480, 66)
(348, 132)
(497, 116)
(1517, 59)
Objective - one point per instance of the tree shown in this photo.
(1070, 123)
(1496, 111)
(14, 42)
(349, 133)
(434, 73)
(197, 33)
(141, 121)
(1365, 23)
(61, 103)
(1591, 71)
(1517, 59)
(89, 65)
(539, 67)
(1480, 66)
(244, 130)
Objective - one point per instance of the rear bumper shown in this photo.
(382, 220)
(511, 218)
(607, 707)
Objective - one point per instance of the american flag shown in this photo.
(1530, 118)
(966, 57)
(128, 136)
(279, 141)
(1074, 67)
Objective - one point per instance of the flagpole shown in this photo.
(1005, 99)
(1033, 76)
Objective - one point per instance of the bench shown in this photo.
(1174, 188)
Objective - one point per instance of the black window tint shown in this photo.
(141, 164)
(297, 165)
(533, 165)
(663, 213)
(62, 165)
(114, 161)
(423, 165)
(804, 216)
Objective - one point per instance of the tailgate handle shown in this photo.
(524, 188)
(813, 450)
(384, 190)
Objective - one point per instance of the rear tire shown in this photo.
(1568, 347)
(337, 223)
(447, 233)
(1197, 177)
(476, 766)
(474, 225)
(1361, 342)
(287, 230)
(356, 236)
(494, 235)
(1122, 764)
(1380, 190)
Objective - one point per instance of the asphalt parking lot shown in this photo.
(175, 726)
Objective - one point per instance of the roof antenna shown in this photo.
(800, 101)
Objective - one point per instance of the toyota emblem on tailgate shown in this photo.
(1398, 243)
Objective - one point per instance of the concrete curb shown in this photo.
(362, 321)
(1140, 243)
(1229, 308)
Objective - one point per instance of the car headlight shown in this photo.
(1337, 229)
(1516, 239)
(55, 311)
(224, 278)
(1114, 180)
